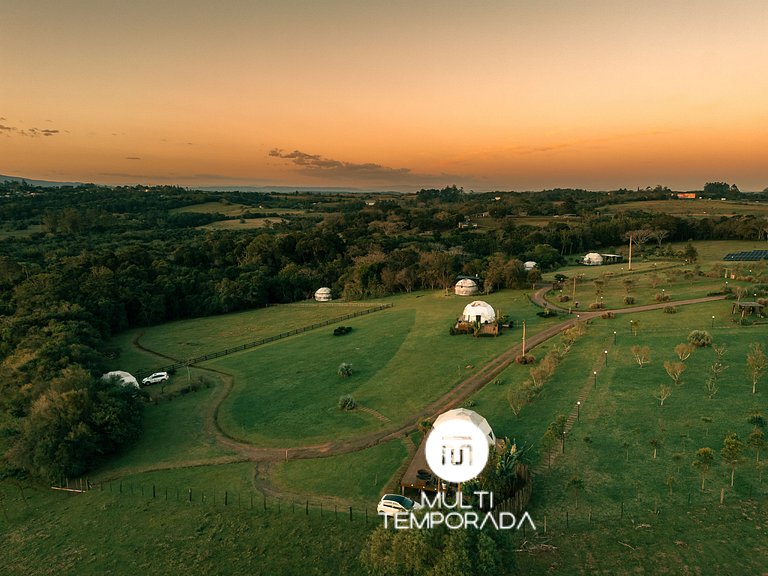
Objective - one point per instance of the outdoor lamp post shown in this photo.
(578, 410)
(594, 374)
(713, 321)
(614, 336)
(606, 357)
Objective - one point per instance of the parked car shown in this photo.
(155, 378)
(391, 504)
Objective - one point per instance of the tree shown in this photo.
(674, 370)
(690, 253)
(699, 338)
(756, 441)
(756, 363)
(703, 462)
(548, 442)
(684, 351)
(575, 486)
(731, 451)
(516, 397)
(642, 354)
(663, 393)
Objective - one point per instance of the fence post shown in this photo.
(264, 501)
(566, 518)
(189, 492)
(350, 513)
(153, 491)
(306, 508)
(225, 497)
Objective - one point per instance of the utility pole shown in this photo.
(523, 338)
(630, 252)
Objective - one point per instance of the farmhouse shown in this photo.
(323, 295)
(467, 286)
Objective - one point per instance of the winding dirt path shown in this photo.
(265, 457)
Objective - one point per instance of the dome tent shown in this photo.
(530, 265)
(478, 311)
(123, 378)
(323, 295)
(466, 287)
(471, 416)
(593, 259)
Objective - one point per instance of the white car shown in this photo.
(155, 378)
(391, 504)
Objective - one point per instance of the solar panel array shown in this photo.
(751, 256)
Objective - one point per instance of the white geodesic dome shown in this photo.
(471, 416)
(124, 378)
(466, 287)
(323, 294)
(593, 259)
(479, 311)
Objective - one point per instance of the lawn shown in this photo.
(286, 392)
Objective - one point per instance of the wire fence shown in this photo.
(267, 340)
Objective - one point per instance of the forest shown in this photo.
(100, 260)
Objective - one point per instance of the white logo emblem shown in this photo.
(457, 449)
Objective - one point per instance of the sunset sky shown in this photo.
(507, 95)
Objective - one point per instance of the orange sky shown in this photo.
(510, 95)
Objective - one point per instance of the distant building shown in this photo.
(592, 259)
(467, 286)
(686, 195)
(323, 295)
(595, 259)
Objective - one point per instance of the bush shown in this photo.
(341, 330)
(563, 298)
(607, 315)
(596, 306)
(629, 300)
(700, 338)
(661, 297)
(546, 313)
(525, 359)
(347, 402)
(345, 369)
(670, 309)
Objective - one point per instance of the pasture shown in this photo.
(618, 496)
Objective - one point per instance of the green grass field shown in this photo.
(630, 512)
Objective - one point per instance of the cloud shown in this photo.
(315, 164)
(28, 132)
(132, 158)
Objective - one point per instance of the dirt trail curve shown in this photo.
(449, 400)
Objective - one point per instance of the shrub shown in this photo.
(341, 330)
(468, 403)
(629, 300)
(563, 298)
(546, 313)
(347, 402)
(345, 369)
(596, 306)
(661, 297)
(670, 309)
(700, 338)
(525, 359)
(607, 315)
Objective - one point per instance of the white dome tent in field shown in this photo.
(479, 311)
(323, 295)
(593, 259)
(530, 265)
(124, 378)
(466, 287)
(471, 416)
